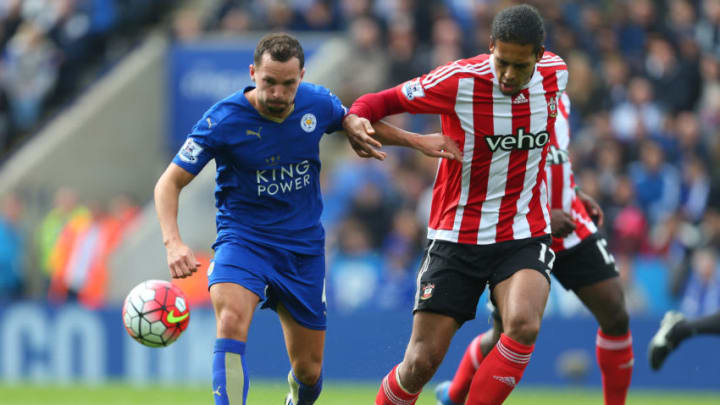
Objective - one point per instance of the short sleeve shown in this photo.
(199, 147)
(337, 114)
(432, 93)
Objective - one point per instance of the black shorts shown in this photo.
(453, 276)
(587, 263)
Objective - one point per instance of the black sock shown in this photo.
(707, 325)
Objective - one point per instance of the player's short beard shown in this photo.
(275, 109)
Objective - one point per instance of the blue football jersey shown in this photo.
(268, 171)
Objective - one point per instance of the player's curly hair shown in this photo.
(521, 24)
(281, 47)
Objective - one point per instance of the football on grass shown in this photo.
(155, 313)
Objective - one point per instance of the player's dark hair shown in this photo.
(281, 47)
(521, 24)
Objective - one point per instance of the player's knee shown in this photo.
(232, 324)
(616, 322)
(523, 329)
(423, 363)
(307, 371)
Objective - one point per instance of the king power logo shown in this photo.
(283, 179)
(520, 140)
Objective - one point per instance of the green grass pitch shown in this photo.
(334, 393)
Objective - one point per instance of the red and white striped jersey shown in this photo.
(562, 182)
(499, 191)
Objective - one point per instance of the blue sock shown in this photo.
(230, 378)
(306, 395)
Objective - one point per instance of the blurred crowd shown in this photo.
(49, 47)
(71, 246)
(645, 88)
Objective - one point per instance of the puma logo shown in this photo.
(250, 132)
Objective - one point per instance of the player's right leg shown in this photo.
(234, 306)
(429, 341)
(235, 292)
(450, 282)
(455, 392)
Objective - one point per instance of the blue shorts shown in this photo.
(277, 276)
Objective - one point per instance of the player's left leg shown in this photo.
(520, 285)
(297, 293)
(613, 350)
(589, 270)
(305, 350)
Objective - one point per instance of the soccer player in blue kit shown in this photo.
(270, 242)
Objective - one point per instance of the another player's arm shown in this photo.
(181, 260)
(433, 145)
(411, 97)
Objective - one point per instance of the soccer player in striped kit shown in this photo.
(582, 265)
(490, 219)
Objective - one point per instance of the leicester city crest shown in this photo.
(308, 122)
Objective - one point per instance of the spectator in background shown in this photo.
(628, 225)
(676, 83)
(641, 19)
(707, 30)
(375, 211)
(186, 26)
(681, 18)
(370, 67)
(402, 51)
(12, 252)
(30, 70)
(65, 209)
(401, 254)
(354, 271)
(690, 138)
(702, 294)
(709, 106)
(72, 255)
(695, 189)
(639, 117)
(91, 282)
(615, 76)
(656, 183)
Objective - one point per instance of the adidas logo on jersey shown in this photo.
(520, 99)
(505, 380)
(521, 140)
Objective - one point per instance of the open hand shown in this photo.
(359, 132)
(438, 145)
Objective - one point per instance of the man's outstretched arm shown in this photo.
(181, 260)
(433, 145)
(371, 107)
